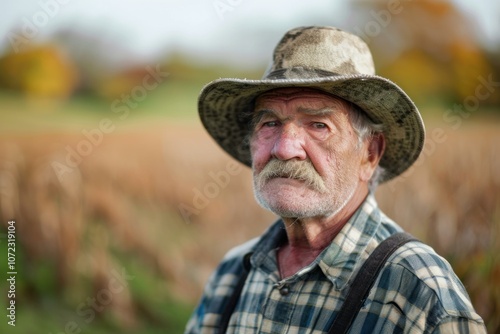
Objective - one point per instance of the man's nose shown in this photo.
(289, 143)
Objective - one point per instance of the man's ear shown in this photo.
(375, 150)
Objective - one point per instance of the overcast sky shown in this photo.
(205, 28)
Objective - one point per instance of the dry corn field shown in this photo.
(169, 198)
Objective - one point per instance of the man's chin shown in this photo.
(285, 210)
(287, 201)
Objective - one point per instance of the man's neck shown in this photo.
(307, 238)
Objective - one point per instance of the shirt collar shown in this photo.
(353, 243)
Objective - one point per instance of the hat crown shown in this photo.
(321, 49)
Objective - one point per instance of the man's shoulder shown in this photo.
(224, 278)
(422, 261)
(233, 262)
(404, 254)
(422, 275)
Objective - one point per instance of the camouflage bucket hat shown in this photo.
(330, 60)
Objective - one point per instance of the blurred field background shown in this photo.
(123, 205)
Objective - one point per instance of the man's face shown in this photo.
(307, 159)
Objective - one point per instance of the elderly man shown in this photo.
(320, 130)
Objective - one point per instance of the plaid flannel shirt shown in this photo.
(416, 291)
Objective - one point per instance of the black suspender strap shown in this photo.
(364, 280)
(231, 304)
(358, 291)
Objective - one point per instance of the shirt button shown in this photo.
(284, 291)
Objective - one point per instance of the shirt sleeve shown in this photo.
(195, 323)
(206, 317)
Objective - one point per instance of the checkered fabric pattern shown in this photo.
(416, 291)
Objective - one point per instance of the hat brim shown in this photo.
(224, 106)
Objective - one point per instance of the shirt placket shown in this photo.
(279, 309)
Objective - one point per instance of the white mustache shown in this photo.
(302, 170)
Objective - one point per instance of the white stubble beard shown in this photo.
(323, 209)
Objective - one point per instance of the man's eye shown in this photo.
(270, 124)
(319, 125)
